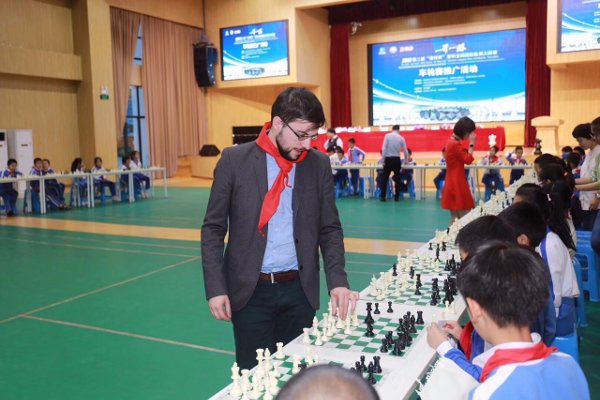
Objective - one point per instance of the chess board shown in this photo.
(357, 342)
(286, 365)
(407, 295)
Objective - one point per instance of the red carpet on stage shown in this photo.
(418, 140)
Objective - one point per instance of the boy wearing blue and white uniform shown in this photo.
(143, 179)
(340, 175)
(7, 190)
(102, 181)
(505, 288)
(355, 156)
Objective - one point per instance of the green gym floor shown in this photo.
(90, 316)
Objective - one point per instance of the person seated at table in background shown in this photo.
(144, 179)
(406, 176)
(492, 178)
(340, 176)
(48, 170)
(441, 176)
(7, 189)
(53, 194)
(574, 164)
(355, 156)
(332, 155)
(505, 288)
(78, 167)
(125, 166)
(516, 158)
(327, 382)
(565, 151)
(102, 181)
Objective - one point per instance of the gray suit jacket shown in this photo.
(236, 197)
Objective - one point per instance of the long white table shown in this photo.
(419, 173)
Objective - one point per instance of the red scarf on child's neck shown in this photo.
(271, 201)
(511, 356)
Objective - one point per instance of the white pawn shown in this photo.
(306, 338)
(267, 363)
(447, 309)
(279, 354)
(318, 341)
(245, 381)
(296, 364)
(340, 323)
(348, 328)
(268, 395)
(236, 389)
(255, 393)
(379, 294)
(308, 357)
(315, 324)
(325, 320)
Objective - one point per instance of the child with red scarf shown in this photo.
(505, 287)
(492, 179)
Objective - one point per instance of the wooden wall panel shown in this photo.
(36, 25)
(49, 108)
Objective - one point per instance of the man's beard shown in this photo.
(285, 153)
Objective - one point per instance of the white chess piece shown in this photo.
(267, 361)
(306, 337)
(340, 323)
(296, 364)
(259, 359)
(255, 393)
(325, 319)
(434, 318)
(355, 321)
(348, 328)
(236, 389)
(318, 341)
(308, 357)
(245, 381)
(447, 309)
(316, 358)
(315, 324)
(379, 294)
(279, 354)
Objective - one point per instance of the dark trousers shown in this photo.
(588, 217)
(276, 312)
(390, 164)
(10, 196)
(107, 184)
(143, 179)
(354, 175)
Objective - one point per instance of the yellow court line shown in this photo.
(354, 245)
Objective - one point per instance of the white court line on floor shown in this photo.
(87, 239)
(75, 246)
(129, 334)
(102, 289)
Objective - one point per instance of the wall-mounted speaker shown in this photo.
(205, 58)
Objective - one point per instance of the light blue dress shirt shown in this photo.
(280, 253)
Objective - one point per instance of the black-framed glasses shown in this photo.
(302, 137)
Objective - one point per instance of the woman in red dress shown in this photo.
(456, 195)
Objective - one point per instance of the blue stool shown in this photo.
(589, 269)
(580, 301)
(390, 190)
(568, 344)
(584, 235)
(366, 182)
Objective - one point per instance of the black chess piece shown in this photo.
(397, 351)
(369, 332)
(358, 367)
(419, 284)
(377, 365)
(437, 254)
(389, 338)
(420, 318)
(363, 366)
(390, 310)
(447, 230)
(413, 328)
(411, 272)
(369, 318)
(369, 304)
(395, 270)
(376, 309)
(430, 246)
(384, 346)
(302, 365)
(443, 246)
(371, 377)
(417, 291)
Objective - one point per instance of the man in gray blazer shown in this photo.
(276, 199)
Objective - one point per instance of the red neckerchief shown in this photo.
(511, 356)
(271, 201)
(493, 159)
(465, 339)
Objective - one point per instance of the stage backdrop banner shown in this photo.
(418, 140)
(579, 25)
(439, 80)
